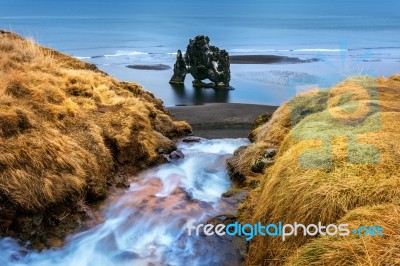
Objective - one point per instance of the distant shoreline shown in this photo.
(221, 120)
(269, 59)
(238, 60)
(150, 67)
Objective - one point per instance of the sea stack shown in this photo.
(203, 61)
(180, 70)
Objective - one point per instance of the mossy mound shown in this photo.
(338, 161)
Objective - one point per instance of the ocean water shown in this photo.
(348, 37)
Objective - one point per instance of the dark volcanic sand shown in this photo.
(149, 67)
(268, 59)
(221, 120)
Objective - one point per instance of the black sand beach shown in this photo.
(149, 67)
(268, 59)
(221, 120)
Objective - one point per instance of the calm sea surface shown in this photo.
(349, 38)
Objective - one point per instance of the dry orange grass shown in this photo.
(353, 250)
(243, 160)
(63, 124)
(339, 158)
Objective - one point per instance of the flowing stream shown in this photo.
(146, 224)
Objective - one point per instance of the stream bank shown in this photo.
(146, 223)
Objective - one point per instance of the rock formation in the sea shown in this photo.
(180, 70)
(203, 61)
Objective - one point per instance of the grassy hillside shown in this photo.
(64, 126)
(338, 161)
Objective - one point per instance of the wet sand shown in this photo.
(221, 120)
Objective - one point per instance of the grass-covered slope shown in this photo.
(338, 161)
(64, 125)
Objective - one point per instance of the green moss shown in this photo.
(261, 120)
(301, 107)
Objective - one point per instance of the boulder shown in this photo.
(192, 139)
(264, 161)
(260, 164)
(176, 155)
(269, 153)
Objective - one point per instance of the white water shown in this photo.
(146, 225)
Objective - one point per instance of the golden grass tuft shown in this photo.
(64, 124)
(353, 250)
(338, 160)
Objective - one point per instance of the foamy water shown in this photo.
(146, 225)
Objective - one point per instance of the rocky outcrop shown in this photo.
(203, 61)
(266, 160)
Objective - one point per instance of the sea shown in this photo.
(353, 37)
